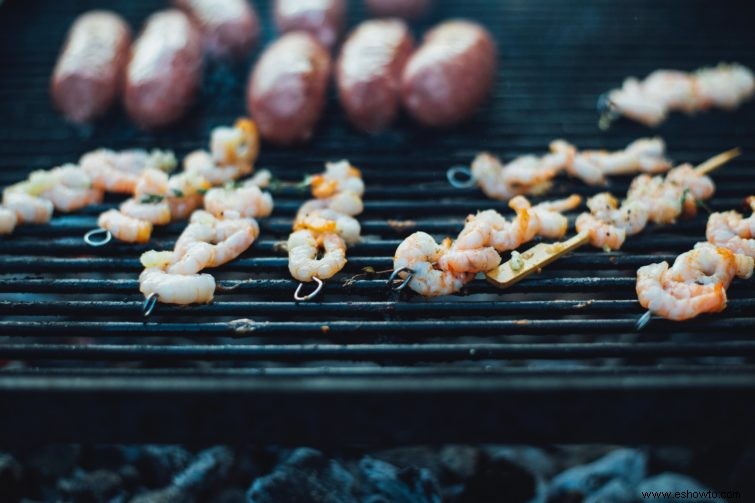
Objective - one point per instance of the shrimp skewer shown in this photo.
(649, 199)
(614, 217)
(649, 102)
(696, 283)
(158, 199)
(325, 225)
(533, 175)
(119, 172)
(488, 233)
(417, 262)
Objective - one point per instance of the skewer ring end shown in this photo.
(404, 283)
(90, 237)
(460, 177)
(304, 298)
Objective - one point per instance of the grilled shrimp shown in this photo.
(235, 146)
(185, 194)
(677, 194)
(490, 229)
(695, 284)
(649, 101)
(545, 219)
(608, 224)
(420, 253)
(28, 209)
(8, 221)
(701, 187)
(644, 155)
(152, 182)
(338, 177)
(210, 242)
(524, 175)
(724, 86)
(182, 207)
(249, 201)
(157, 212)
(472, 260)
(70, 188)
(177, 288)
(632, 102)
(731, 230)
(316, 216)
(119, 171)
(124, 227)
(303, 249)
(676, 300)
(707, 263)
(201, 163)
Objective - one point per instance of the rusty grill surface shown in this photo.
(555, 358)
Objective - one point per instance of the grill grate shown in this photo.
(361, 365)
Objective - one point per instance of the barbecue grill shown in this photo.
(553, 359)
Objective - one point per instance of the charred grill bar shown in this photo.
(554, 359)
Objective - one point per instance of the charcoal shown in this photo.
(421, 457)
(232, 495)
(209, 468)
(97, 486)
(53, 461)
(499, 477)
(536, 461)
(11, 477)
(158, 464)
(170, 494)
(385, 483)
(461, 461)
(129, 476)
(673, 482)
(305, 477)
(626, 465)
(615, 491)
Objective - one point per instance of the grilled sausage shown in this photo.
(368, 72)
(231, 28)
(407, 9)
(165, 69)
(89, 73)
(286, 91)
(323, 19)
(450, 74)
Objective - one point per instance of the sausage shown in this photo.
(165, 70)
(231, 28)
(407, 9)
(89, 73)
(286, 91)
(368, 72)
(323, 19)
(450, 75)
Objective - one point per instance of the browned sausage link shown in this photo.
(450, 75)
(286, 91)
(323, 19)
(407, 9)
(231, 28)
(88, 75)
(165, 69)
(369, 72)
